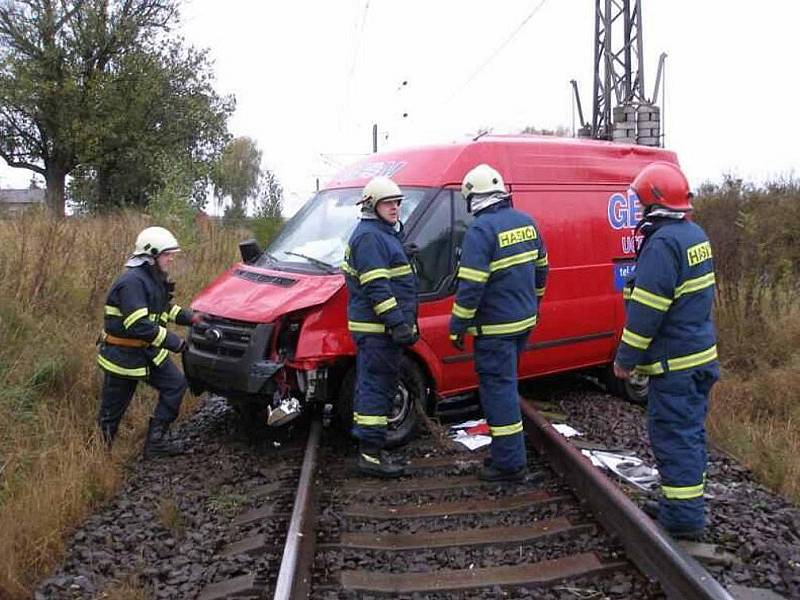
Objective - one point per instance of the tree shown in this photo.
(237, 174)
(67, 70)
(269, 203)
(163, 112)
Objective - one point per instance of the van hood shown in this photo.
(255, 295)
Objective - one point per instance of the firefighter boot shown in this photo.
(492, 473)
(373, 463)
(158, 442)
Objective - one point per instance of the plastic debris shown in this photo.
(472, 434)
(566, 430)
(629, 468)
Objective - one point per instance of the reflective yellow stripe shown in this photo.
(160, 357)
(695, 285)
(650, 299)
(626, 293)
(692, 360)
(112, 311)
(506, 429)
(464, 313)
(473, 275)
(365, 278)
(504, 328)
(370, 420)
(348, 269)
(540, 292)
(139, 313)
(362, 327)
(388, 304)
(117, 370)
(541, 262)
(174, 311)
(682, 493)
(400, 271)
(510, 261)
(651, 369)
(636, 340)
(159, 339)
(164, 318)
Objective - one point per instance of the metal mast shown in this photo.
(620, 110)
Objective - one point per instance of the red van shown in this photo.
(277, 326)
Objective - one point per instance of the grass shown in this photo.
(53, 471)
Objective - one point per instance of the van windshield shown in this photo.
(318, 233)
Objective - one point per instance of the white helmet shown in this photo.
(484, 181)
(153, 241)
(379, 189)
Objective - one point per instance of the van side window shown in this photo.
(434, 258)
(461, 220)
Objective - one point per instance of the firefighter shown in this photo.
(501, 281)
(669, 336)
(135, 343)
(382, 315)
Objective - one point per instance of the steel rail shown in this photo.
(294, 577)
(650, 549)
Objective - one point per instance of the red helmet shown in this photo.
(663, 184)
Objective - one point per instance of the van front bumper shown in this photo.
(228, 357)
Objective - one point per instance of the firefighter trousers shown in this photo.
(676, 413)
(377, 375)
(496, 360)
(118, 391)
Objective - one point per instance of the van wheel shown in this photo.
(403, 418)
(622, 388)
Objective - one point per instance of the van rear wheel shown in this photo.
(403, 417)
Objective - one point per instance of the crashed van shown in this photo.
(276, 332)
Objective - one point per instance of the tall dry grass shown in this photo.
(53, 472)
(755, 408)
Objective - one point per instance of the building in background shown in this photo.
(16, 201)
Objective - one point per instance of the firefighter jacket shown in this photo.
(502, 274)
(669, 300)
(381, 283)
(137, 310)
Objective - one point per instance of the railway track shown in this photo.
(566, 531)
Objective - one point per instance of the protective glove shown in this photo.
(403, 335)
(183, 347)
(457, 339)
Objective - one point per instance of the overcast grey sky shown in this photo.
(311, 77)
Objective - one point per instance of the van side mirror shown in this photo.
(250, 251)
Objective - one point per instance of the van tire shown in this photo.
(413, 389)
(621, 388)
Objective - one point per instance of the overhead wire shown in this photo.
(500, 48)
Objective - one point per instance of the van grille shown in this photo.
(223, 337)
(264, 278)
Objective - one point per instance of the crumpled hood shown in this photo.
(260, 295)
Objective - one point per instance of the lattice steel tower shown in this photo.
(620, 109)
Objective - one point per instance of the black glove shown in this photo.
(411, 249)
(403, 335)
(457, 339)
(183, 347)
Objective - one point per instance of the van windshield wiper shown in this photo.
(320, 263)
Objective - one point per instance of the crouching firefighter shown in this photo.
(501, 280)
(135, 343)
(669, 336)
(382, 316)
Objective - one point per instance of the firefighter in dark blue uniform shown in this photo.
(382, 316)
(501, 281)
(135, 343)
(669, 336)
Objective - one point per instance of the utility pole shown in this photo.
(374, 138)
(621, 111)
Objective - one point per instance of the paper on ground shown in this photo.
(630, 468)
(467, 424)
(566, 430)
(473, 442)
